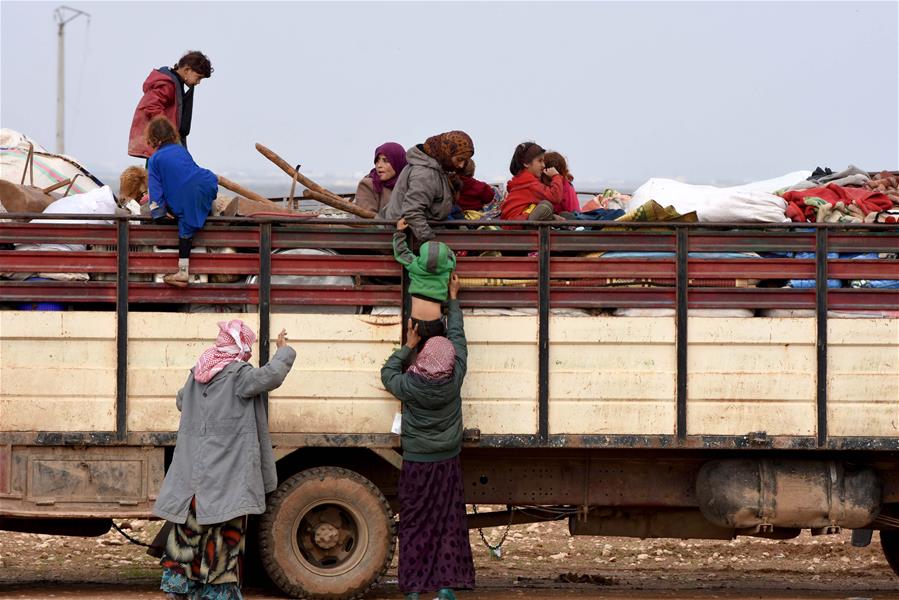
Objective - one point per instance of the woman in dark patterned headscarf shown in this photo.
(427, 187)
(452, 150)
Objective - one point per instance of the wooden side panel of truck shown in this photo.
(610, 375)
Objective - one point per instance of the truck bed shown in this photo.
(612, 380)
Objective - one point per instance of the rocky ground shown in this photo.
(540, 557)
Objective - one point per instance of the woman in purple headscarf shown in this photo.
(375, 188)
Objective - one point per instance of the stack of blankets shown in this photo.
(848, 196)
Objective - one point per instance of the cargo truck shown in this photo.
(696, 421)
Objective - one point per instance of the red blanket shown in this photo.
(867, 200)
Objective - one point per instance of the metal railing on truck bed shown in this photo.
(545, 268)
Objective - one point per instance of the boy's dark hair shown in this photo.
(525, 152)
(197, 61)
(160, 131)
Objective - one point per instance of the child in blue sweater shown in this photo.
(179, 186)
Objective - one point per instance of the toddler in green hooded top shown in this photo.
(429, 275)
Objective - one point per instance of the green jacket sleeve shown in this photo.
(401, 251)
(392, 373)
(455, 332)
(253, 382)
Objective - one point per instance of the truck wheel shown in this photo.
(889, 541)
(328, 533)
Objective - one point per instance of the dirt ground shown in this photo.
(538, 561)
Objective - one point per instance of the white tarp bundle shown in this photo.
(748, 203)
(97, 202)
(49, 168)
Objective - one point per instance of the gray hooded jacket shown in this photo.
(422, 192)
(223, 455)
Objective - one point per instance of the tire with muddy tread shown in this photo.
(328, 533)
(889, 541)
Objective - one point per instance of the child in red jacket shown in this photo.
(168, 92)
(570, 202)
(528, 198)
(474, 194)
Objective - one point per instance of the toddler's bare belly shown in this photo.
(425, 310)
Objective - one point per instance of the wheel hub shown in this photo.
(326, 536)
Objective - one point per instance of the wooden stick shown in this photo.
(239, 189)
(321, 194)
(285, 166)
(56, 186)
(343, 205)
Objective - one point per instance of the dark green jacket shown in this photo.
(429, 272)
(432, 412)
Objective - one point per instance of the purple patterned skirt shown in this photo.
(434, 549)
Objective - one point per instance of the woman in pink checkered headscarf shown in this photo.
(435, 555)
(222, 467)
(234, 342)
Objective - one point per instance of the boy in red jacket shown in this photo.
(474, 194)
(165, 94)
(528, 198)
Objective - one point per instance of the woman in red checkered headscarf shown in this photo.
(222, 467)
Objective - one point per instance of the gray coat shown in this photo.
(422, 192)
(223, 454)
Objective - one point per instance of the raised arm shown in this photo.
(392, 372)
(455, 328)
(253, 382)
(401, 251)
(554, 192)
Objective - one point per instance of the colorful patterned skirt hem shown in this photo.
(204, 561)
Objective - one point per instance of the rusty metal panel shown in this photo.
(95, 482)
(682, 524)
(577, 478)
(77, 479)
(5, 468)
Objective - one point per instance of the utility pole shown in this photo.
(62, 15)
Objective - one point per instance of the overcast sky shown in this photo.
(707, 91)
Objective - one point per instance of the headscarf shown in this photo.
(396, 156)
(436, 360)
(234, 342)
(444, 146)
